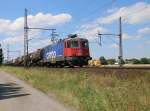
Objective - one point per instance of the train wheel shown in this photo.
(81, 66)
(71, 66)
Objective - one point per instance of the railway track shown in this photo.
(147, 68)
(104, 70)
(111, 70)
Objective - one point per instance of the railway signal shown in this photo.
(120, 57)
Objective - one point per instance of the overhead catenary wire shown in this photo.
(91, 13)
(12, 51)
(121, 16)
(130, 14)
(105, 6)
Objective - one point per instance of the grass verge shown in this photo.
(87, 91)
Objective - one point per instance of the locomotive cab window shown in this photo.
(73, 44)
(85, 44)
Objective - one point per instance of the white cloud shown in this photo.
(13, 40)
(145, 30)
(148, 42)
(133, 14)
(140, 46)
(13, 30)
(38, 20)
(40, 44)
(91, 32)
(46, 20)
(125, 36)
(114, 46)
(137, 13)
(88, 26)
(112, 10)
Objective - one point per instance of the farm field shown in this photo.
(91, 89)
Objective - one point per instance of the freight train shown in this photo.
(71, 51)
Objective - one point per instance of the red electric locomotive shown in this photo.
(76, 51)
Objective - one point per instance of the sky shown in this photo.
(84, 17)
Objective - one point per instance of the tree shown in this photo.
(111, 61)
(136, 61)
(122, 61)
(1, 55)
(103, 60)
(144, 61)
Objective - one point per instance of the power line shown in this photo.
(113, 41)
(125, 16)
(12, 51)
(93, 12)
(102, 7)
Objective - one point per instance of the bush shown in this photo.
(136, 61)
(111, 61)
(103, 60)
(122, 61)
(144, 61)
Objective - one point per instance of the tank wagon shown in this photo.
(71, 51)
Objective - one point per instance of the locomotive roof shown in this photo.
(52, 44)
(76, 38)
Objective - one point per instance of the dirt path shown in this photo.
(15, 95)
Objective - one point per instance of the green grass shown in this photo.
(90, 92)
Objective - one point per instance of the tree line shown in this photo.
(143, 60)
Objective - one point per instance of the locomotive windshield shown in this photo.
(85, 44)
(73, 44)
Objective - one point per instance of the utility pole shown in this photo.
(120, 43)
(53, 35)
(25, 38)
(7, 52)
(120, 57)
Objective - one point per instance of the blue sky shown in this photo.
(85, 17)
